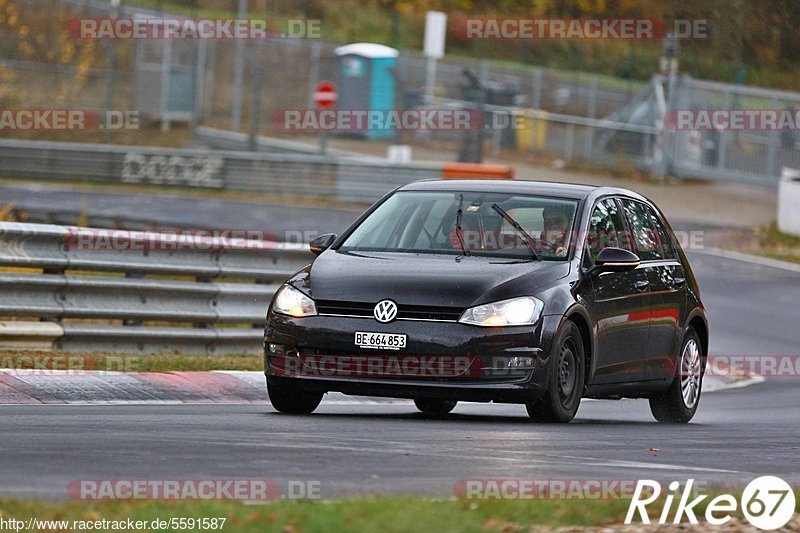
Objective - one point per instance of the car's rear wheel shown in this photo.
(567, 373)
(289, 398)
(435, 407)
(679, 404)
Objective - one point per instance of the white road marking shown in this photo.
(749, 258)
(657, 466)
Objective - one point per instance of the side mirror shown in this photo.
(321, 243)
(616, 260)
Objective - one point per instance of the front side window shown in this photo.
(425, 222)
(651, 241)
(606, 230)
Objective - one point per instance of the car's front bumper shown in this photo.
(441, 360)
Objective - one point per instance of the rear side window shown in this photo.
(651, 241)
(606, 230)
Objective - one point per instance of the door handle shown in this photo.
(678, 282)
(642, 286)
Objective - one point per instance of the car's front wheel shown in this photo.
(435, 407)
(288, 398)
(567, 372)
(679, 404)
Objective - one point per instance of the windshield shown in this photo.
(426, 222)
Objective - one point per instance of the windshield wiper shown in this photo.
(525, 235)
(459, 231)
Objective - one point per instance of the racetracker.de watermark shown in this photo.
(361, 120)
(172, 28)
(578, 29)
(116, 240)
(737, 366)
(44, 119)
(544, 489)
(396, 366)
(43, 364)
(732, 119)
(193, 489)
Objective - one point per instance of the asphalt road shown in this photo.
(52, 203)
(738, 434)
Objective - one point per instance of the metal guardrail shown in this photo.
(305, 175)
(235, 141)
(94, 274)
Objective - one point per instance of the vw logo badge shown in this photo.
(385, 311)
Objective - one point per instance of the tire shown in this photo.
(291, 399)
(567, 375)
(673, 406)
(435, 407)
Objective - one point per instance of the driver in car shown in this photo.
(554, 234)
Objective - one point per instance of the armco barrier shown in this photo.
(239, 142)
(60, 275)
(287, 174)
(19, 335)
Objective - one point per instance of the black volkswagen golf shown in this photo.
(494, 291)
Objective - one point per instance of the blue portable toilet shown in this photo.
(366, 81)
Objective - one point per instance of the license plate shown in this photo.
(385, 341)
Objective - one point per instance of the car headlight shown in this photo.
(514, 312)
(290, 301)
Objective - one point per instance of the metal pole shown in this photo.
(570, 142)
(592, 113)
(430, 79)
(209, 69)
(238, 74)
(722, 150)
(323, 142)
(110, 75)
(484, 81)
(313, 72)
(199, 83)
(669, 68)
(536, 99)
(166, 71)
(255, 103)
(772, 147)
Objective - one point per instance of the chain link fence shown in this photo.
(748, 156)
(573, 116)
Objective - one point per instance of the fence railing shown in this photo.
(728, 154)
(304, 175)
(298, 175)
(137, 292)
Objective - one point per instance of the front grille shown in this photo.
(330, 307)
(404, 312)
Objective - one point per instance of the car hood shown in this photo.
(425, 279)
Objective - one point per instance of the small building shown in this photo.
(367, 81)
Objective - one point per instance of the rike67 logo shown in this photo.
(767, 502)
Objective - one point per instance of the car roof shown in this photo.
(544, 188)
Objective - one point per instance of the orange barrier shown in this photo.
(478, 171)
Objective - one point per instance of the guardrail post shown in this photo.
(213, 301)
(261, 326)
(130, 322)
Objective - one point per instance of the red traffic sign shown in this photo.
(325, 95)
